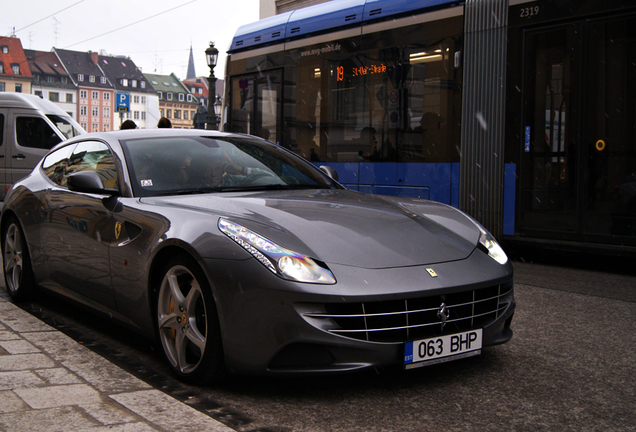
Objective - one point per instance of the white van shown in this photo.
(29, 127)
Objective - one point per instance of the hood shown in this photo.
(345, 227)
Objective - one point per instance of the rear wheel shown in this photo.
(18, 275)
(188, 322)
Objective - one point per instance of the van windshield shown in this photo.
(65, 125)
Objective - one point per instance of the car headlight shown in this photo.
(280, 261)
(489, 245)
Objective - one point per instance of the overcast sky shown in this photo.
(155, 34)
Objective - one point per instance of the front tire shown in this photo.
(188, 323)
(18, 274)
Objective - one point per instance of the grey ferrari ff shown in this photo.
(239, 256)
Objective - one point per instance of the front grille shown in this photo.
(410, 319)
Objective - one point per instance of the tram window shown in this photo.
(382, 105)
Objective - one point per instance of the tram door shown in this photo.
(257, 105)
(578, 173)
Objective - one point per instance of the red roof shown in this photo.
(14, 55)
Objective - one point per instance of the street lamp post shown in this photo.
(211, 56)
(218, 107)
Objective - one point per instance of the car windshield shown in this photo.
(192, 164)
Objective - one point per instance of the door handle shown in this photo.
(19, 156)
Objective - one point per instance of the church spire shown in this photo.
(191, 73)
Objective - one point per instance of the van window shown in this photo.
(63, 125)
(1, 128)
(35, 132)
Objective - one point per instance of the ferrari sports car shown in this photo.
(239, 256)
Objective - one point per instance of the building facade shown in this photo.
(128, 79)
(51, 82)
(96, 95)
(15, 74)
(176, 103)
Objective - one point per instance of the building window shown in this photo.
(143, 84)
(16, 69)
(201, 91)
(5, 49)
(95, 127)
(124, 82)
(143, 99)
(136, 99)
(143, 115)
(69, 97)
(169, 96)
(136, 115)
(95, 111)
(106, 112)
(169, 113)
(83, 125)
(18, 88)
(159, 94)
(54, 96)
(80, 77)
(38, 93)
(106, 96)
(189, 98)
(83, 94)
(134, 83)
(83, 111)
(64, 80)
(106, 127)
(177, 114)
(91, 78)
(102, 80)
(185, 115)
(160, 111)
(181, 97)
(1, 68)
(95, 95)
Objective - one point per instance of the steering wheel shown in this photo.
(260, 178)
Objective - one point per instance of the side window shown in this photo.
(1, 128)
(56, 163)
(94, 156)
(35, 132)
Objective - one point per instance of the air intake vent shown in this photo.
(239, 43)
(350, 17)
(257, 39)
(276, 34)
(375, 12)
(295, 30)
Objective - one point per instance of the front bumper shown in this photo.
(273, 326)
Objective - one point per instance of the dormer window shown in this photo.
(169, 95)
(102, 80)
(124, 82)
(91, 78)
(143, 84)
(160, 94)
(180, 97)
(189, 98)
(134, 83)
(80, 77)
(5, 49)
(16, 69)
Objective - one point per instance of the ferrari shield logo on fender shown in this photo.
(117, 230)
(431, 272)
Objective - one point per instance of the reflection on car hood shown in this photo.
(345, 227)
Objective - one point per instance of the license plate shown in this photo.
(442, 349)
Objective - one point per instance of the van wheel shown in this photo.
(18, 274)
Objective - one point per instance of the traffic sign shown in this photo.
(123, 102)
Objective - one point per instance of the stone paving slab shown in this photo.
(49, 382)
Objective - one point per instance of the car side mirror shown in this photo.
(330, 171)
(88, 182)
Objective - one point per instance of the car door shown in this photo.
(79, 226)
